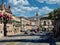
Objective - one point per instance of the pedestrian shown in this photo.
(37, 29)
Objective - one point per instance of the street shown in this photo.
(23, 40)
(23, 43)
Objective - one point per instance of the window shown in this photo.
(44, 22)
(48, 23)
(7, 26)
(0, 31)
(11, 31)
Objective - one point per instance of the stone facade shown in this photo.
(16, 24)
(46, 24)
(25, 24)
(5, 13)
(35, 20)
(33, 24)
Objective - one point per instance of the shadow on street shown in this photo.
(30, 40)
(25, 40)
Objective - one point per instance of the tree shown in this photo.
(54, 15)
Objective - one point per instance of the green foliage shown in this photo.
(54, 14)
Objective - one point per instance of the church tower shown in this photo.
(8, 9)
(37, 19)
(2, 6)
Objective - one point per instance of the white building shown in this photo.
(46, 24)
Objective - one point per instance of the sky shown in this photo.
(28, 8)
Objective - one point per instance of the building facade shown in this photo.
(16, 24)
(5, 19)
(33, 24)
(35, 20)
(46, 24)
(25, 24)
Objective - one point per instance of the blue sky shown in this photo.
(28, 8)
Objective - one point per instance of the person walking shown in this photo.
(37, 29)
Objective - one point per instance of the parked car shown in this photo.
(31, 32)
(22, 30)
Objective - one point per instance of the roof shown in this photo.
(44, 18)
(24, 18)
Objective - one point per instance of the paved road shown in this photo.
(29, 43)
(25, 43)
(30, 40)
(2, 43)
(20, 37)
(22, 40)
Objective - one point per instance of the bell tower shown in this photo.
(37, 19)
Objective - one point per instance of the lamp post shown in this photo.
(5, 21)
(6, 18)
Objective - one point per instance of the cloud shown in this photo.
(18, 7)
(22, 10)
(49, 1)
(16, 2)
(28, 8)
(44, 10)
(17, 10)
(41, 1)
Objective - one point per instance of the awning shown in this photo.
(15, 21)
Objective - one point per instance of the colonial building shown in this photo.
(35, 20)
(5, 20)
(16, 24)
(46, 24)
(33, 24)
(25, 24)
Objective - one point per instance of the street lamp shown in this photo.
(5, 21)
(6, 18)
